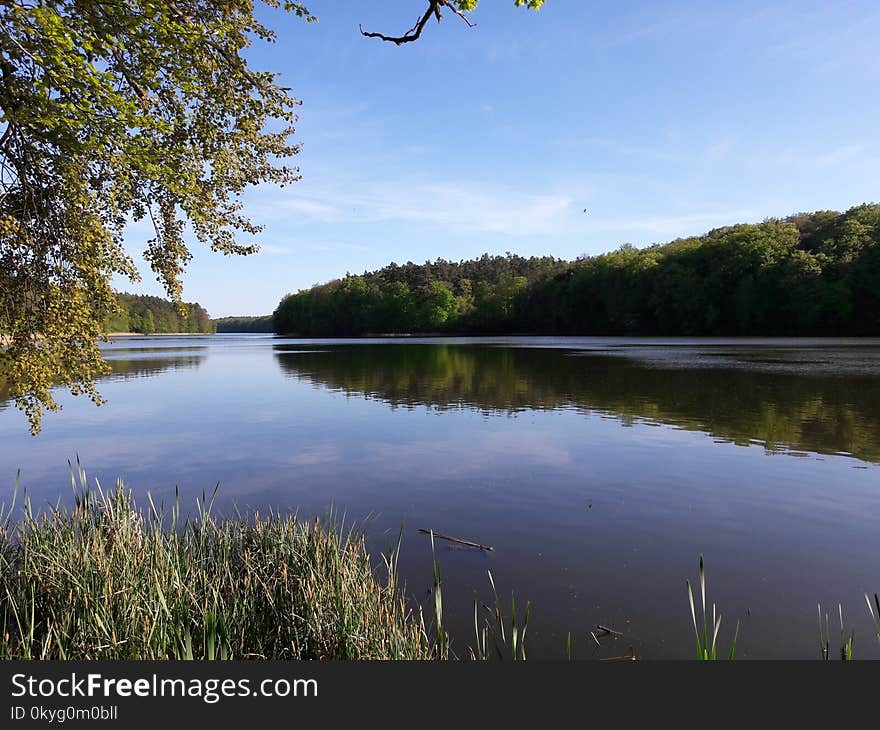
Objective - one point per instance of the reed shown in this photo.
(847, 639)
(707, 646)
(106, 579)
(875, 615)
(503, 638)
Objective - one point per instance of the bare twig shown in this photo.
(457, 540)
(460, 14)
(606, 631)
(414, 33)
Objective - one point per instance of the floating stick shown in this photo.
(456, 540)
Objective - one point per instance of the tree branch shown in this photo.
(461, 15)
(414, 33)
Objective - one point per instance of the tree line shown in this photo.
(806, 274)
(149, 315)
(244, 324)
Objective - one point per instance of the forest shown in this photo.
(806, 274)
(154, 315)
(244, 324)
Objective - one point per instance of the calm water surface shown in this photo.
(599, 469)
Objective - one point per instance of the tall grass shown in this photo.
(507, 639)
(707, 648)
(441, 637)
(875, 617)
(847, 640)
(106, 579)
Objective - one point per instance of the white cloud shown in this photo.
(465, 207)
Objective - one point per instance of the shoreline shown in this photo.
(159, 334)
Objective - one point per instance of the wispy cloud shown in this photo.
(824, 160)
(465, 207)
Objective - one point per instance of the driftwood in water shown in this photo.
(605, 631)
(456, 540)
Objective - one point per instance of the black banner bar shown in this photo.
(156, 694)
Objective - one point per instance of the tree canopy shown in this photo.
(148, 315)
(438, 296)
(116, 112)
(808, 274)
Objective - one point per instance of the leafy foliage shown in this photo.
(111, 112)
(808, 274)
(146, 314)
(478, 295)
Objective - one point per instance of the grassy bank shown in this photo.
(109, 580)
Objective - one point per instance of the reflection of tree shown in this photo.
(784, 410)
(126, 369)
(148, 367)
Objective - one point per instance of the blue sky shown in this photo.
(662, 119)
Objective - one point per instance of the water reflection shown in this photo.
(131, 363)
(786, 399)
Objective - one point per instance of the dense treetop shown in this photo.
(807, 274)
(435, 296)
(149, 315)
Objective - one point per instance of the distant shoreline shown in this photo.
(159, 334)
(5, 339)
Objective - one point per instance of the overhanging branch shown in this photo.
(414, 33)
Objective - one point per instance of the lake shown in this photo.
(598, 468)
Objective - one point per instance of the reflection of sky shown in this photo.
(592, 520)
